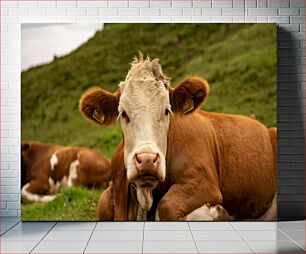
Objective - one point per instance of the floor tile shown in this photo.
(211, 226)
(291, 225)
(64, 226)
(273, 235)
(301, 243)
(216, 236)
(296, 235)
(169, 247)
(167, 236)
(34, 226)
(7, 225)
(114, 247)
(99, 236)
(17, 247)
(69, 236)
(258, 225)
(276, 247)
(9, 220)
(224, 247)
(163, 225)
(22, 236)
(60, 247)
(119, 226)
(273, 223)
(3, 230)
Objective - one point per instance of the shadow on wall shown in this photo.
(290, 123)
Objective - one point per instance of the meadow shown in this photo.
(237, 60)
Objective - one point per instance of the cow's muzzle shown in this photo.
(148, 176)
(147, 166)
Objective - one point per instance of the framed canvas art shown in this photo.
(158, 122)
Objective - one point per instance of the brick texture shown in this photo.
(288, 14)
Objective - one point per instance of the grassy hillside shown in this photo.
(73, 204)
(238, 60)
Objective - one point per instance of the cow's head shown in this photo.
(25, 148)
(144, 104)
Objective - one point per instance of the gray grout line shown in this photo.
(10, 228)
(273, 224)
(149, 230)
(290, 238)
(143, 231)
(244, 240)
(42, 238)
(90, 237)
(193, 237)
(232, 225)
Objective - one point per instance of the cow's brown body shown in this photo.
(43, 175)
(177, 162)
(212, 159)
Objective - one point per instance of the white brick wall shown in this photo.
(290, 14)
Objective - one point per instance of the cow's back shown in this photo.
(94, 169)
(247, 164)
(65, 156)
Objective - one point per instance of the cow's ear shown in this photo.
(25, 146)
(188, 95)
(100, 106)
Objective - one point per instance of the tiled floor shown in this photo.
(152, 237)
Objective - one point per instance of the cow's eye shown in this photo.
(125, 116)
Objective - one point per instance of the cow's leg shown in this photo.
(182, 199)
(208, 213)
(271, 213)
(32, 192)
(105, 209)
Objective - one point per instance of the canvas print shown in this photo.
(153, 122)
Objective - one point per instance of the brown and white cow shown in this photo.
(46, 168)
(176, 161)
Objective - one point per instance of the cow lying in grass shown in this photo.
(46, 168)
(177, 162)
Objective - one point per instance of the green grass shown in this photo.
(73, 204)
(237, 60)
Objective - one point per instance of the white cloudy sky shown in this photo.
(40, 42)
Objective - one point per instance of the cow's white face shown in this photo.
(143, 104)
(144, 111)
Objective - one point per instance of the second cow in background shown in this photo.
(46, 168)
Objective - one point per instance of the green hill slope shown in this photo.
(238, 61)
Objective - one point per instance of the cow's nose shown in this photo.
(147, 162)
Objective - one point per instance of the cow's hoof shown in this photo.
(201, 214)
(208, 213)
(217, 212)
